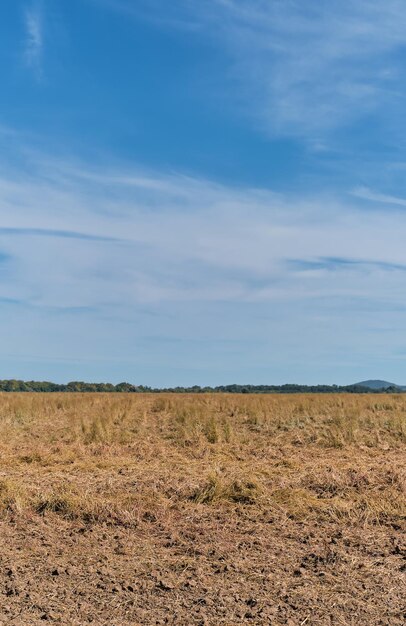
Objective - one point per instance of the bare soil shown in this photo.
(265, 514)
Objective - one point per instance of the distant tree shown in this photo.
(125, 388)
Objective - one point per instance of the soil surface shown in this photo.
(202, 569)
(207, 510)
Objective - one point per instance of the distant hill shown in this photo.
(378, 384)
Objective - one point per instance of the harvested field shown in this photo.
(135, 509)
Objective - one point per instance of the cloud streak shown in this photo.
(34, 39)
(305, 70)
(380, 198)
(100, 259)
(186, 239)
(63, 234)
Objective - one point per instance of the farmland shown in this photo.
(202, 509)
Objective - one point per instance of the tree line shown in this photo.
(80, 386)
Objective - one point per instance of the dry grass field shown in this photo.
(177, 509)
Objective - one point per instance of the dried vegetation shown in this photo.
(220, 509)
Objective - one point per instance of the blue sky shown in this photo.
(203, 192)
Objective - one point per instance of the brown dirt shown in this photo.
(202, 510)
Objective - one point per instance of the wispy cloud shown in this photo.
(97, 259)
(34, 38)
(333, 264)
(306, 68)
(185, 239)
(381, 198)
(317, 68)
(63, 234)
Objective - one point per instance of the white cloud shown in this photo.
(307, 68)
(105, 265)
(368, 194)
(316, 67)
(34, 39)
(77, 235)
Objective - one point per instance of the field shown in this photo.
(119, 509)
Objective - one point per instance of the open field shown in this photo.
(211, 509)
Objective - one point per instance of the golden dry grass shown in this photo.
(165, 461)
(110, 456)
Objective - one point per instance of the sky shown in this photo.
(203, 192)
